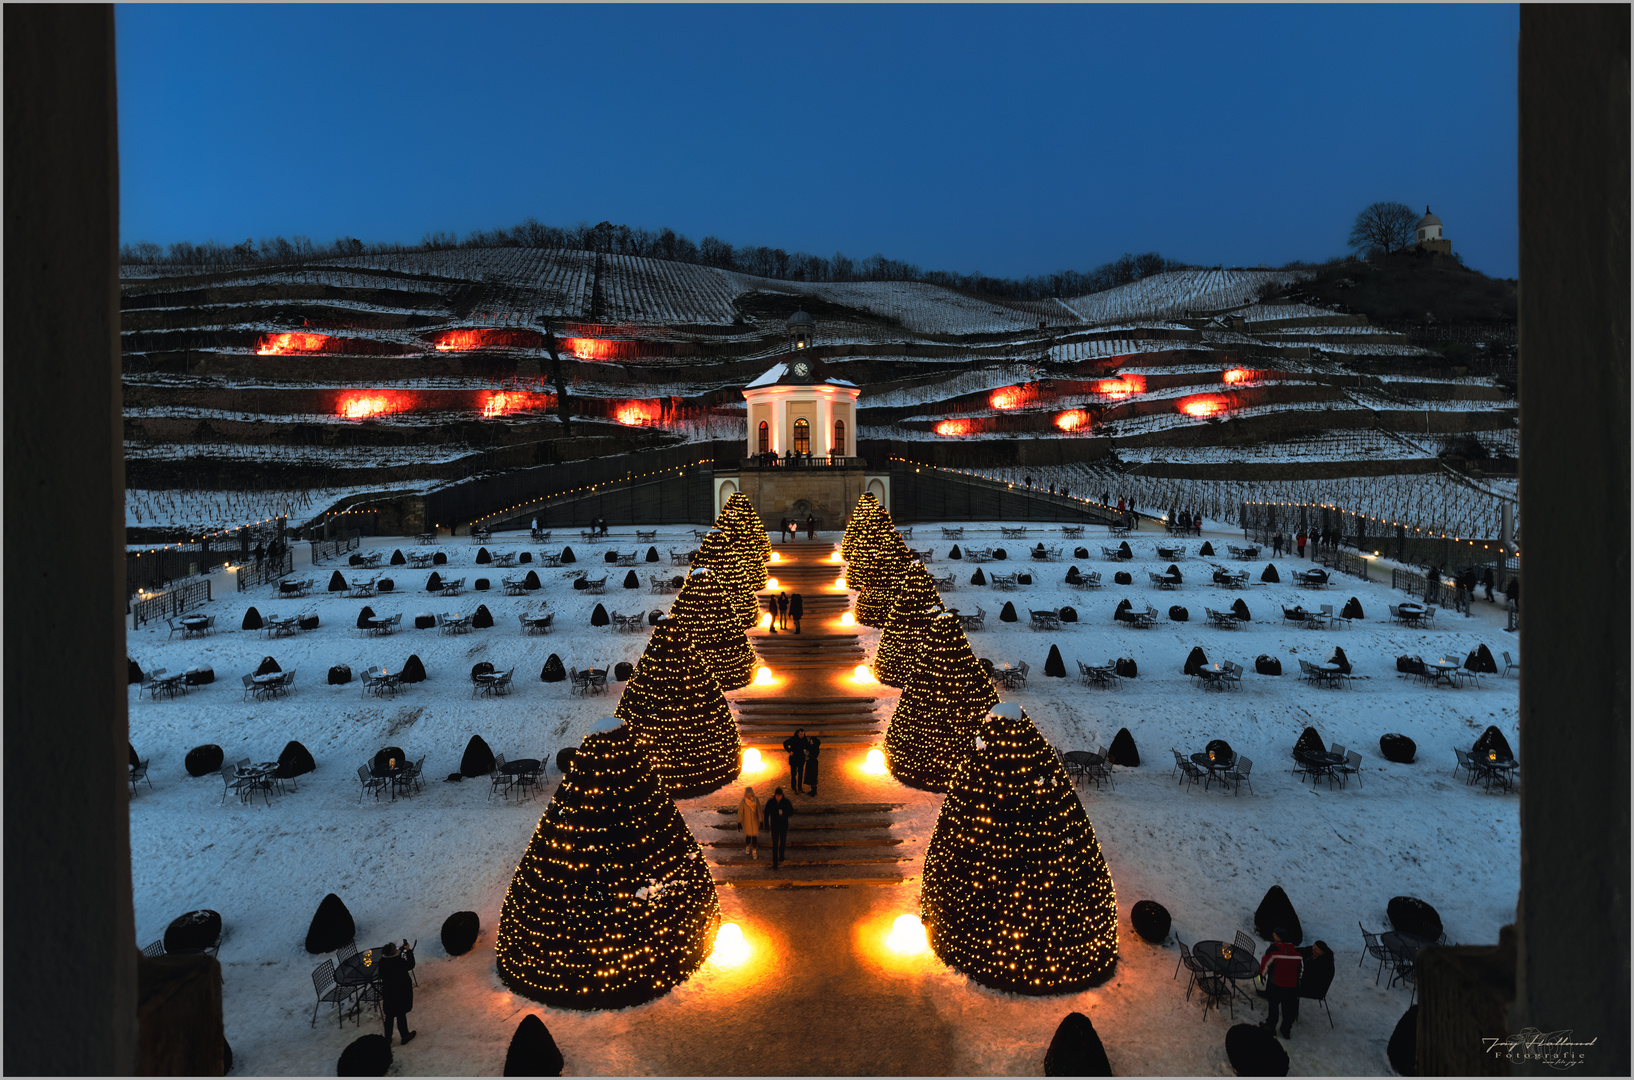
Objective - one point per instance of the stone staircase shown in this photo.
(830, 844)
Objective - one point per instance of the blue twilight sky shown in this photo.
(1004, 139)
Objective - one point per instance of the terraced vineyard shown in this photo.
(1179, 293)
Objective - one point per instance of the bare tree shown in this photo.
(1384, 225)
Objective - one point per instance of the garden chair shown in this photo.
(1238, 773)
(1509, 665)
(500, 780)
(323, 981)
(376, 784)
(1374, 948)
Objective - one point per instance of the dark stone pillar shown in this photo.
(1573, 919)
(180, 1016)
(71, 956)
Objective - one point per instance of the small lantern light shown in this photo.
(874, 765)
(766, 621)
(730, 948)
(862, 674)
(763, 676)
(907, 935)
(839, 582)
(751, 760)
(848, 619)
(776, 557)
(834, 556)
(771, 583)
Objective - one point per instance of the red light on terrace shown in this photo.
(953, 427)
(1204, 405)
(1072, 420)
(1236, 375)
(637, 413)
(363, 406)
(1009, 397)
(588, 348)
(1121, 387)
(462, 339)
(506, 402)
(278, 344)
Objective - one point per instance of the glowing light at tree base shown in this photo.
(730, 948)
(907, 936)
(874, 765)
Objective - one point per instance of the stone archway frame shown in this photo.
(881, 488)
(723, 491)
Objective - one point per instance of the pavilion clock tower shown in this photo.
(800, 454)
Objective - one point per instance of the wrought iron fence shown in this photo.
(336, 546)
(171, 602)
(267, 570)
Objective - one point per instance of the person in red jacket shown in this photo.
(1282, 985)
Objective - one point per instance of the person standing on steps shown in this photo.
(795, 745)
(783, 610)
(396, 989)
(811, 527)
(771, 606)
(1282, 986)
(797, 607)
(783, 530)
(812, 745)
(778, 810)
(749, 821)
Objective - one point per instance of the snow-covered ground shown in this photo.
(1208, 856)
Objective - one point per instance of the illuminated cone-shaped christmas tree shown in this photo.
(884, 580)
(730, 565)
(705, 614)
(612, 903)
(866, 508)
(1016, 893)
(900, 646)
(739, 521)
(675, 707)
(871, 539)
(947, 697)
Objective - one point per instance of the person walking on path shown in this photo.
(1276, 544)
(811, 527)
(1282, 985)
(1486, 583)
(778, 810)
(1197, 522)
(771, 607)
(783, 610)
(1122, 510)
(749, 821)
(812, 745)
(260, 553)
(795, 745)
(1299, 541)
(396, 989)
(1432, 586)
(797, 607)
(1512, 593)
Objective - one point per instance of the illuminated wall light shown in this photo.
(907, 936)
(730, 947)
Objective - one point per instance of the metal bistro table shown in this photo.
(1230, 961)
(1216, 769)
(1319, 763)
(1404, 949)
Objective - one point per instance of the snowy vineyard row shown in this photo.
(1178, 293)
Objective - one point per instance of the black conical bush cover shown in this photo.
(483, 556)
(439, 558)
(397, 558)
(1398, 748)
(1074, 575)
(1123, 606)
(1403, 1047)
(1068, 614)
(1126, 668)
(1206, 551)
(1352, 609)
(1410, 915)
(204, 760)
(599, 616)
(1239, 608)
(567, 556)
(413, 669)
(434, 583)
(1269, 574)
(134, 760)
(133, 672)
(1124, 551)
(955, 553)
(482, 618)
(533, 1052)
(978, 578)
(524, 558)
(1195, 659)
(340, 675)
(252, 620)
(1178, 613)
(1480, 659)
(631, 581)
(226, 1057)
(367, 1055)
(1008, 614)
(1080, 553)
(460, 932)
(478, 759)
(1277, 910)
(1309, 741)
(1492, 739)
(1341, 659)
(531, 582)
(482, 584)
(364, 616)
(295, 760)
(337, 582)
(331, 927)
(652, 554)
(1254, 1051)
(1173, 573)
(1151, 921)
(1122, 577)
(268, 666)
(1076, 1050)
(1054, 666)
(553, 671)
(1123, 750)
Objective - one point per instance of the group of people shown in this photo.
(1464, 584)
(790, 529)
(597, 526)
(784, 607)
(773, 815)
(1187, 520)
(1290, 967)
(274, 551)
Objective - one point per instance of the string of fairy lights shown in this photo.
(900, 644)
(1016, 893)
(612, 903)
(678, 714)
(582, 489)
(933, 726)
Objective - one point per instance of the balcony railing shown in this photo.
(801, 461)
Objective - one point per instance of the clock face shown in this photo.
(802, 369)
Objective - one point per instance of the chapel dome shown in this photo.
(1427, 220)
